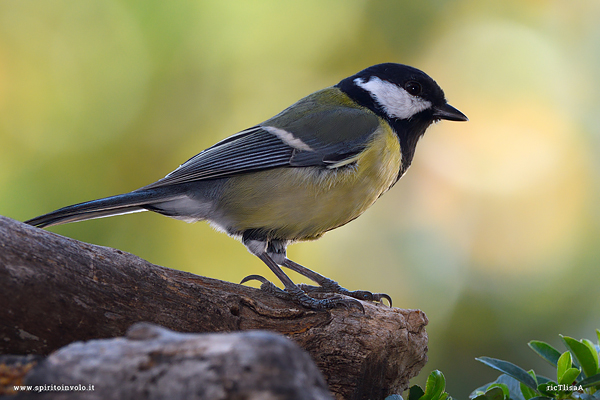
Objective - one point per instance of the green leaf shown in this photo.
(436, 383)
(513, 386)
(590, 381)
(582, 353)
(505, 381)
(569, 376)
(563, 364)
(527, 392)
(475, 393)
(532, 374)
(593, 350)
(545, 351)
(598, 334)
(494, 393)
(502, 386)
(415, 392)
(434, 388)
(510, 369)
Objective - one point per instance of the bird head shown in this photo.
(400, 92)
(407, 98)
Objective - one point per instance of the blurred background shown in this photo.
(494, 232)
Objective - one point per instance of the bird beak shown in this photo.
(448, 112)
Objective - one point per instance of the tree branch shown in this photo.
(55, 290)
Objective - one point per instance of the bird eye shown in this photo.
(413, 87)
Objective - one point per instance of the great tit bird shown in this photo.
(314, 167)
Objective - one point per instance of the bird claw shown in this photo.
(380, 296)
(254, 278)
(349, 303)
(267, 286)
(368, 296)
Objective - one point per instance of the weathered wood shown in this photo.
(55, 290)
(156, 363)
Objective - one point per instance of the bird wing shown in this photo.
(327, 135)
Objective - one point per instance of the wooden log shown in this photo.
(55, 290)
(157, 363)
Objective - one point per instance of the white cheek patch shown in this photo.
(288, 138)
(395, 101)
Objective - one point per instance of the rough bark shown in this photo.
(153, 362)
(55, 290)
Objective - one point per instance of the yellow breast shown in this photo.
(304, 203)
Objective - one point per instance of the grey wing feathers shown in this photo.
(333, 140)
(250, 150)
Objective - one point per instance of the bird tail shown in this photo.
(127, 203)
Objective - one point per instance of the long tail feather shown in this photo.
(106, 207)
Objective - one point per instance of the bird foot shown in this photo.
(297, 295)
(330, 286)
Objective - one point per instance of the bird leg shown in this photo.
(277, 250)
(292, 291)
